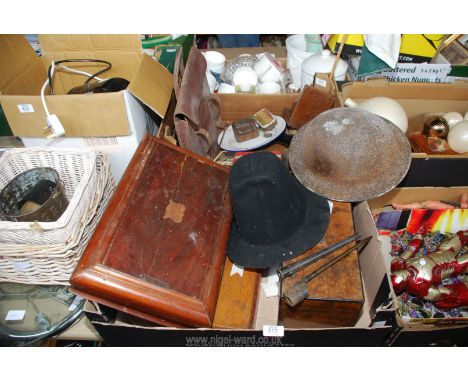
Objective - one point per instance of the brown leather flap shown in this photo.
(197, 119)
(194, 87)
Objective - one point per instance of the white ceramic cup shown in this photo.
(269, 88)
(212, 83)
(245, 80)
(215, 61)
(226, 88)
(266, 69)
(262, 65)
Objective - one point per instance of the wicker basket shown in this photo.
(54, 264)
(76, 169)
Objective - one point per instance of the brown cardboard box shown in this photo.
(237, 106)
(418, 99)
(373, 328)
(22, 75)
(374, 325)
(114, 123)
(413, 331)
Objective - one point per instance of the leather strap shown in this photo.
(178, 71)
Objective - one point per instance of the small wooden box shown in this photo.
(237, 299)
(335, 296)
(159, 250)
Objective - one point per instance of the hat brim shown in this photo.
(307, 235)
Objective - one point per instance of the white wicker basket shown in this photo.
(76, 169)
(54, 264)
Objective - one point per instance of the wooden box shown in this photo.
(237, 299)
(335, 296)
(159, 250)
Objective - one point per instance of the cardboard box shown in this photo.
(418, 99)
(120, 149)
(376, 326)
(373, 328)
(415, 331)
(112, 122)
(237, 106)
(415, 48)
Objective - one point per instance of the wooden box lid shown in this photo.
(336, 295)
(158, 251)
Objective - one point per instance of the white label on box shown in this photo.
(22, 265)
(101, 141)
(404, 72)
(273, 331)
(15, 315)
(320, 82)
(26, 108)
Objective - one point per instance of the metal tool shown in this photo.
(295, 267)
(298, 292)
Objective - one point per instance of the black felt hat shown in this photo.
(275, 217)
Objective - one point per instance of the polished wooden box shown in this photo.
(336, 295)
(159, 250)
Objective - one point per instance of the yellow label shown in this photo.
(423, 45)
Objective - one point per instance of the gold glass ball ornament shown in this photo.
(437, 127)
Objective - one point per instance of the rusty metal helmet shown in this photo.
(349, 154)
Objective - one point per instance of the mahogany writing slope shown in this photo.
(159, 249)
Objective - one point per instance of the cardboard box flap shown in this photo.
(152, 85)
(28, 82)
(400, 90)
(15, 55)
(56, 42)
(406, 195)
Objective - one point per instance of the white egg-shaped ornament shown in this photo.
(452, 118)
(458, 137)
(385, 107)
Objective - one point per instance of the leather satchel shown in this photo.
(197, 119)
